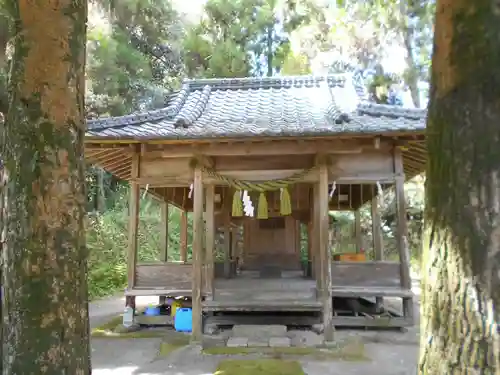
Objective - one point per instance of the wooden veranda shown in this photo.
(215, 135)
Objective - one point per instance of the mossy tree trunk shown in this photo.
(45, 308)
(461, 259)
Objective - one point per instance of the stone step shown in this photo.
(273, 342)
(259, 331)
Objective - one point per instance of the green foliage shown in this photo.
(414, 194)
(135, 58)
(380, 85)
(295, 64)
(107, 241)
(408, 24)
(219, 45)
(239, 38)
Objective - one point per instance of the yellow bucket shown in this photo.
(174, 306)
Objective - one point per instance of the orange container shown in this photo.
(350, 257)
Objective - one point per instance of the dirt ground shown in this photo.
(142, 356)
(389, 352)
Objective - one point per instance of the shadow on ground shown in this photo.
(389, 353)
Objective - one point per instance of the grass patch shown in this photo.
(347, 351)
(259, 367)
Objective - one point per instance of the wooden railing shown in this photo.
(174, 276)
(366, 274)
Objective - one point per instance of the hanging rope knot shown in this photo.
(261, 187)
(380, 194)
(334, 186)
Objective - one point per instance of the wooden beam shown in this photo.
(105, 156)
(184, 236)
(182, 181)
(209, 240)
(95, 153)
(280, 147)
(325, 253)
(114, 163)
(93, 147)
(255, 163)
(197, 330)
(133, 222)
(402, 231)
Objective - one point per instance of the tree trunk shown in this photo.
(4, 39)
(45, 308)
(461, 284)
(408, 35)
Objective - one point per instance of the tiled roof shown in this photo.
(249, 107)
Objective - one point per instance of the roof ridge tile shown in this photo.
(186, 117)
(294, 105)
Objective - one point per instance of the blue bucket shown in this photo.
(152, 311)
(183, 320)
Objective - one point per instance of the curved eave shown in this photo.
(114, 155)
(238, 137)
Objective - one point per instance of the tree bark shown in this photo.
(461, 262)
(4, 39)
(45, 308)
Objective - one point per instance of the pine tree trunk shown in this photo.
(461, 265)
(45, 308)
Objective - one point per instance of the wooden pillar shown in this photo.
(298, 237)
(198, 231)
(209, 240)
(378, 250)
(402, 232)
(234, 242)
(324, 251)
(133, 227)
(164, 239)
(164, 233)
(227, 245)
(315, 239)
(378, 243)
(310, 264)
(184, 236)
(357, 230)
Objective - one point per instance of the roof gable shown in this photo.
(251, 107)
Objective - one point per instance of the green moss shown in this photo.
(167, 348)
(110, 325)
(259, 367)
(109, 330)
(347, 351)
(146, 334)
